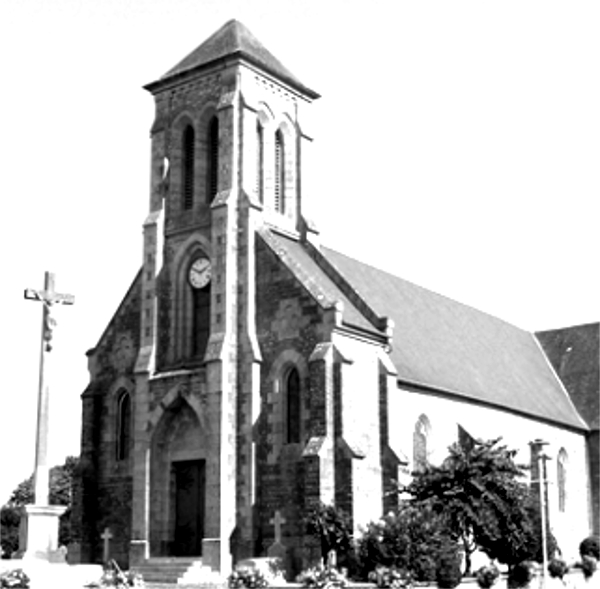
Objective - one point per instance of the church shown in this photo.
(250, 372)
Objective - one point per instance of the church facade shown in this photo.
(251, 373)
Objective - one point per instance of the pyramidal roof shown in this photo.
(233, 39)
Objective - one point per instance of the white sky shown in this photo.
(456, 144)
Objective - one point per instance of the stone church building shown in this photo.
(251, 372)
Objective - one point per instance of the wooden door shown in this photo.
(190, 482)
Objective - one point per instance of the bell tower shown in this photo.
(225, 160)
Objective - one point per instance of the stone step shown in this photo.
(167, 569)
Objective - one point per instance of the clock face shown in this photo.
(200, 272)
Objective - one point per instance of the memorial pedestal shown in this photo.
(38, 532)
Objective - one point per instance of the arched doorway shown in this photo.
(177, 483)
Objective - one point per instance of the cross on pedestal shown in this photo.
(277, 521)
(106, 537)
(48, 297)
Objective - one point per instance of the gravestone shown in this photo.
(277, 549)
(106, 538)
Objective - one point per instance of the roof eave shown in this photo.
(241, 56)
(436, 390)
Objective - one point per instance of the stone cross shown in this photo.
(106, 537)
(48, 297)
(277, 521)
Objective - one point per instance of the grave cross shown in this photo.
(277, 521)
(48, 297)
(106, 537)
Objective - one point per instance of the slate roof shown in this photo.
(233, 39)
(441, 344)
(575, 354)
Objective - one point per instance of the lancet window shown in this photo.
(123, 425)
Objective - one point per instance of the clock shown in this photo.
(199, 274)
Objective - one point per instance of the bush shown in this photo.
(15, 579)
(319, 577)
(590, 547)
(589, 565)
(113, 576)
(391, 577)
(332, 527)
(247, 577)
(520, 575)
(448, 573)
(409, 540)
(557, 568)
(487, 575)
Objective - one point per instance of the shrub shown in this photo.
(332, 527)
(589, 565)
(520, 575)
(408, 540)
(15, 579)
(448, 573)
(247, 577)
(113, 576)
(557, 568)
(590, 547)
(390, 577)
(319, 577)
(487, 575)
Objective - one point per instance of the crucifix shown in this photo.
(48, 297)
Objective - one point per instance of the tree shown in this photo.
(61, 480)
(479, 493)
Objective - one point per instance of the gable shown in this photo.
(457, 350)
(118, 346)
(313, 278)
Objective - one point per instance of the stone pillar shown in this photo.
(139, 546)
(249, 358)
(222, 350)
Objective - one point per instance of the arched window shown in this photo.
(292, 406)
(279, 173)
(260, 150)
(561, 479)
(188, 167)
(123, 425)
(420, 437)
(212, 164)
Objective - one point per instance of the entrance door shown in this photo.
(189, 479)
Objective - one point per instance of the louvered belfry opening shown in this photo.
(213, 159)
(188, 167)
(260, 148)
(279, 173)
(293, 406)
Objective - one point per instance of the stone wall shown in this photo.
(103, 488)
(287, 330)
